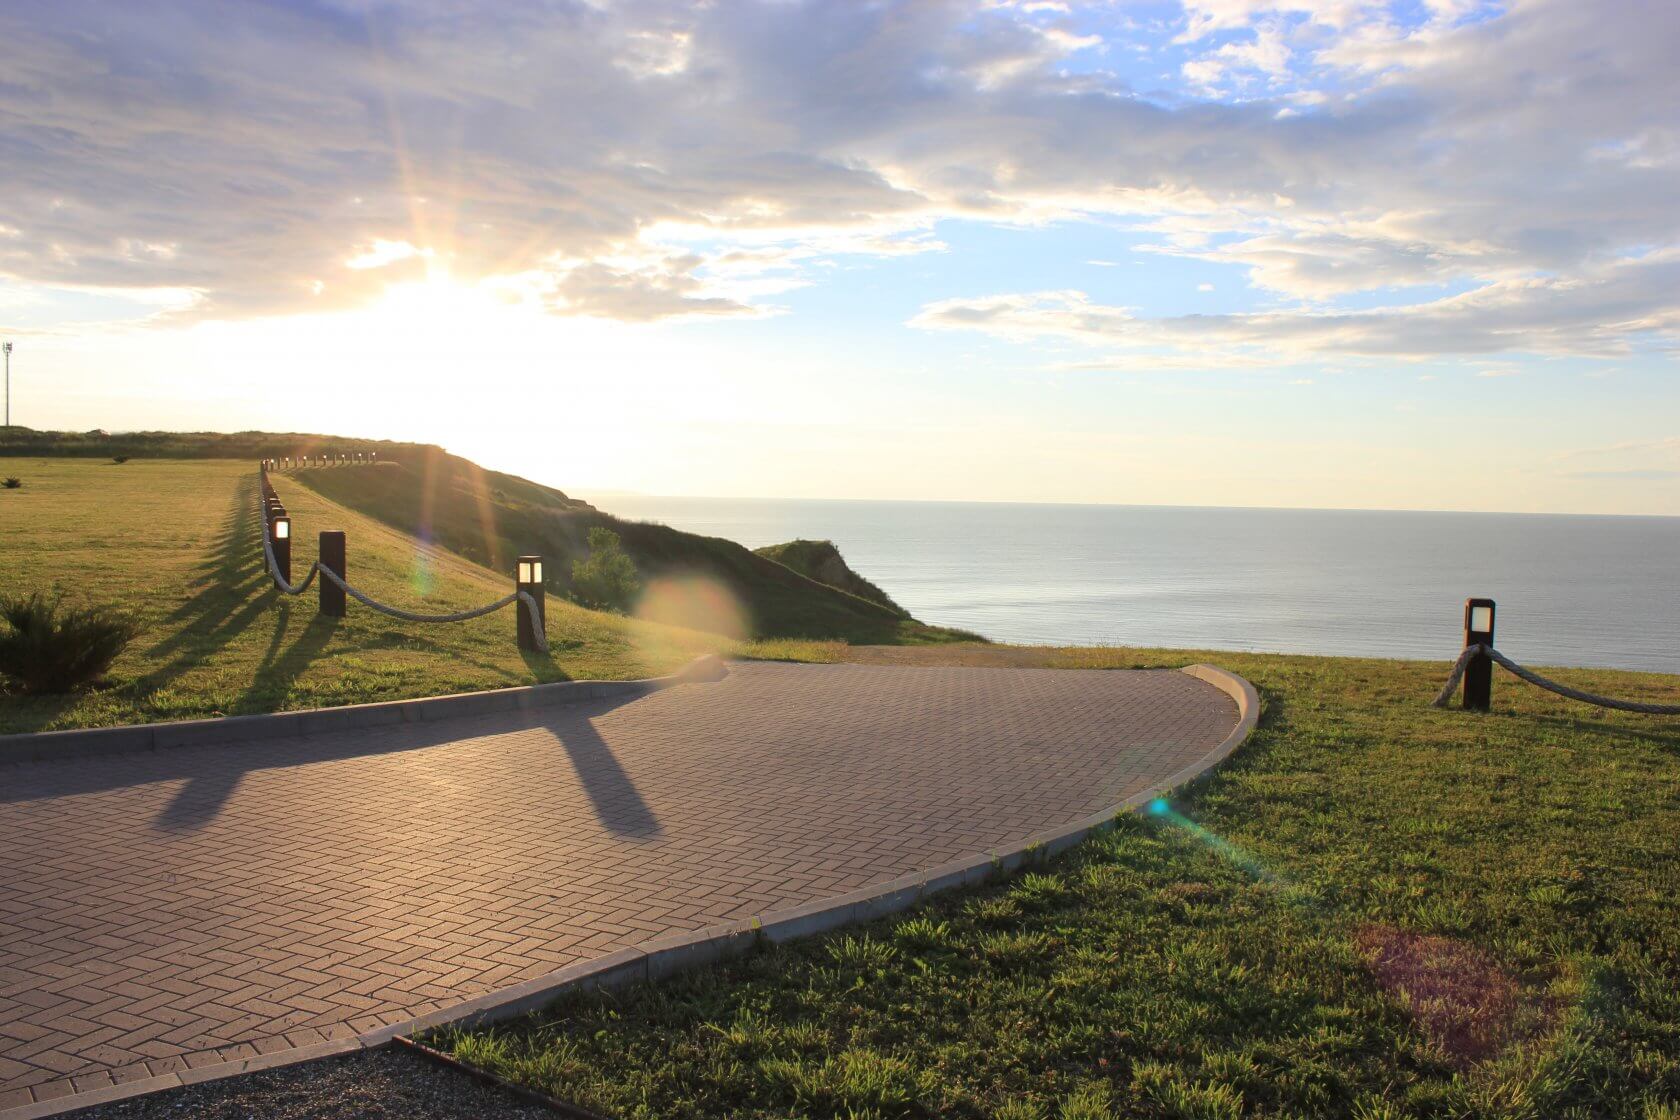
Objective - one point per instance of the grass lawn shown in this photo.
(176, 542)
(1374, 909)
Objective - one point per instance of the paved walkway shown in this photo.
(196, 905)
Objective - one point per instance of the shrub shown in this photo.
(54, 650)
(607, 578)
(12, 483)
(119, 458)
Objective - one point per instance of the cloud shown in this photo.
(1526, 157)
(381, 253)
(1632, 475)
(1610, 312)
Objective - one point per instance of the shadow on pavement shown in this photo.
(213, 774)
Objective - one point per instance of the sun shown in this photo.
(439, 303)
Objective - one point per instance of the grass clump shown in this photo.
(48, 648)
(12, 482)
(1375, 909)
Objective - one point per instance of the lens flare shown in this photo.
(1250, 863)
(694, 602)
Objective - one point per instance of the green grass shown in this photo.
(1374, 909)
(175, 542)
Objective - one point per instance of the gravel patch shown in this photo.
(375, 1085)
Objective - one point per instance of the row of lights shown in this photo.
(327, 459)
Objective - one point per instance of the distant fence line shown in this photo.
(320, 459)
(277, 561)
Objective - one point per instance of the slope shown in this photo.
(175, 543)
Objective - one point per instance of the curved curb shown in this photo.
(663, 956)
(94, 742)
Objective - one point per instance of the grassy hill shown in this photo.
(176, 543)
(17, 441)
(821, 561)
(491, 518)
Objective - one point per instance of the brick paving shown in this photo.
(175, 909)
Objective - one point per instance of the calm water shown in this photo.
(1571, 590)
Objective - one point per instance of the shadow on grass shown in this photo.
(279, 670)
(26, 713)
(1668, 739)
(228, 583)
(231, 575)
(543, 667)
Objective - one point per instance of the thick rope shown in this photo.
(1536, 679)
(526, 599)
(1442, 697)
(274, 571)
(411, 616)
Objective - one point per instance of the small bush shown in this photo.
(607, 578)
(52, 650)
(12, 483)
(119, 458)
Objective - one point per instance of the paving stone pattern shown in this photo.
(179, 908)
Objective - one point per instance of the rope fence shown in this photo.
(527, 601)
(1472, 652)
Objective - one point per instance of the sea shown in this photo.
(1571, 590)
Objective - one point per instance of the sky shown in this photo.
(1331, 253)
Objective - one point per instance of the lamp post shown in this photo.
(8, 384)
(280, 536)
(528, 577)
(1478, 675)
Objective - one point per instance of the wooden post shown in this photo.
(332, 559)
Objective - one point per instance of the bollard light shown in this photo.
(528, 577)
(1478, 674)
(280, 537)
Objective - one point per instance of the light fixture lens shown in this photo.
(282, 529)
(1481, 619)
(524, 572)
(536, 572)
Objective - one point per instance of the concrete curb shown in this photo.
(664, 956)
(94, 742)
